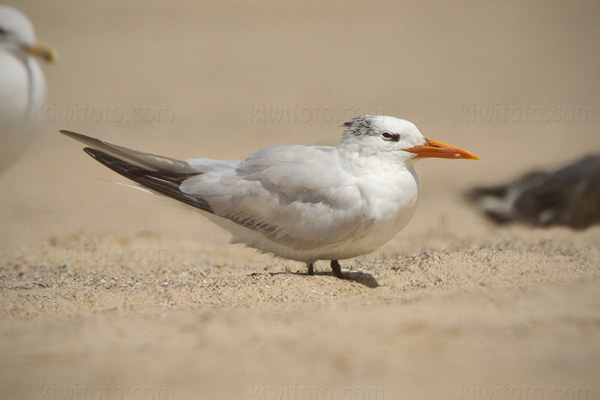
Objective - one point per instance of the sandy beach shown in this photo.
(112, 293)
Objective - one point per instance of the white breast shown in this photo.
(392, 202)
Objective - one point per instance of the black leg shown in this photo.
(337, 270)
(311, 268)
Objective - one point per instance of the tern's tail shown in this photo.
(159, 174)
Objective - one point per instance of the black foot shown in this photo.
(311, 268)
(337, 270)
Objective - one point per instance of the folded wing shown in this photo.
(296, 196)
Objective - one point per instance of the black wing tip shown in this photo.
(162, 182)
(92, 152)
(98, 155)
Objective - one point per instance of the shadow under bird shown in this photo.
(304, 203)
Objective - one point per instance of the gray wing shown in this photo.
(298, 196)
(148, 161)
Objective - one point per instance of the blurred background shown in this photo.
(514, 82)
(466, 302)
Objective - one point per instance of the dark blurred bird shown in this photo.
(568, 196)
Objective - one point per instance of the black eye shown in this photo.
(394, 137)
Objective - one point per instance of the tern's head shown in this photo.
(18, 36)
(377, 134)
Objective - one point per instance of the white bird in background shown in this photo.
(22, 85)
(304, 203)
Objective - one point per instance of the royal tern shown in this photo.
(22, 85)
(304, 203)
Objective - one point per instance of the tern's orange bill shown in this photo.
(436, 149)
